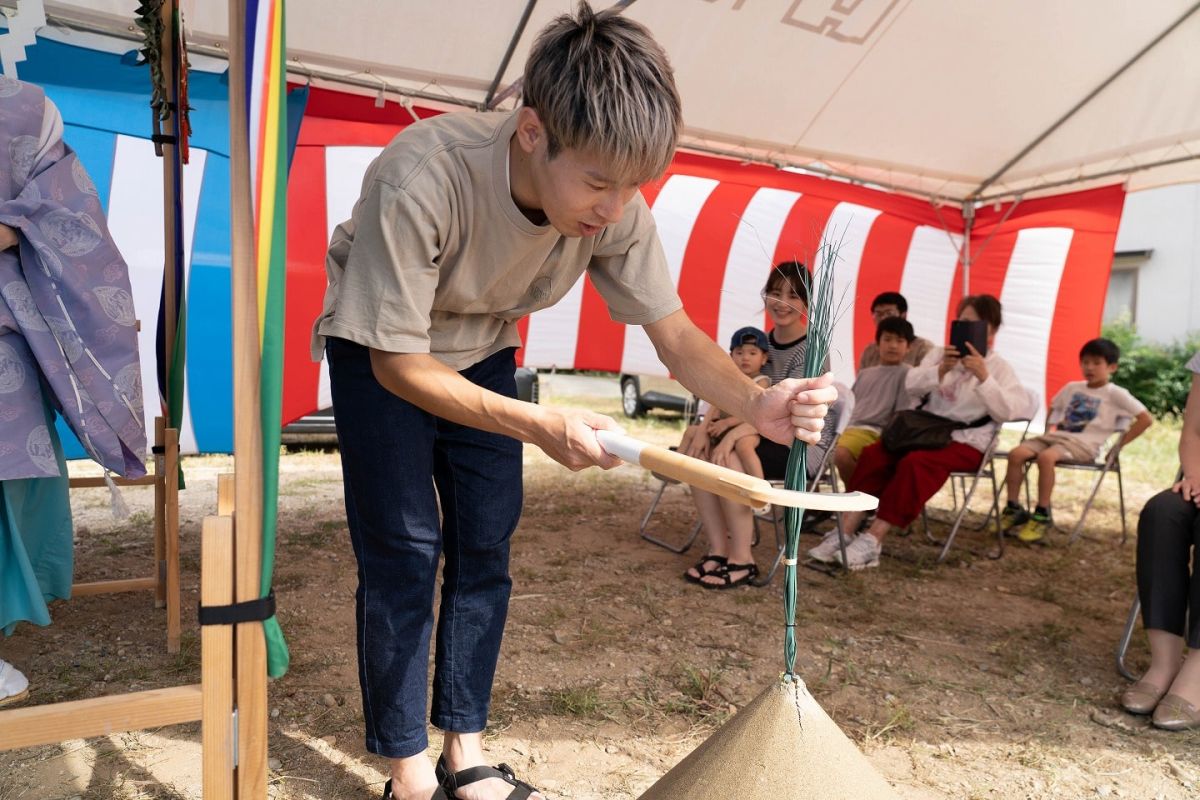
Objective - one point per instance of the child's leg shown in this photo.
(745, 448)
(689, 433)
(1017, 459)
(1046, 461)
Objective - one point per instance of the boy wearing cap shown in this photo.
(750, 350)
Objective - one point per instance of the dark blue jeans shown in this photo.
(393, 456)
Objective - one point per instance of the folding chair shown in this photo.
(824, 475)
(1131, 621)
(664, 482)
(1110, 463)
(987, 469)
(1127, 636)
(1033, 401)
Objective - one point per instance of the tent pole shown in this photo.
(968, 212)
(508, 54)
(515, 86)
(1090, 96)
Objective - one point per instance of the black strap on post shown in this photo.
(163, 138)
(250, 611)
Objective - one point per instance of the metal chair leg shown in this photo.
(995, 515)
(1075, 533)
(662, 487)
(1121, 495)
(691, 539)
(1126, 637)
(959, 518)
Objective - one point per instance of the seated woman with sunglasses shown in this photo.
(728, 525)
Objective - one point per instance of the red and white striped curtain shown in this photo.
(723, 225)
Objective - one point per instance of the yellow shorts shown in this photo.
(857, 439)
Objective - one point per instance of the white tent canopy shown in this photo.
(954, 99)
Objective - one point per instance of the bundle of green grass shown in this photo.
(783, 745)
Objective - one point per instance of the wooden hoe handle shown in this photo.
(724, 481)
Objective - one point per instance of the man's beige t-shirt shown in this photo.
(437, 258)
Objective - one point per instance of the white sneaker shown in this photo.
(13, 685)
(862, 553)
(829, 551)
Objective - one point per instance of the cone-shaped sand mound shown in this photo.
(782, 746)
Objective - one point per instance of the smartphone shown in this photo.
(973, 331)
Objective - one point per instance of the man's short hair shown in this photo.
(986, 306)
(1101, 348)
(601, 84)
(794, 274)
(890, 299)
(897, 326)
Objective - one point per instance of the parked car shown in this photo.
(640, 393)
(318, 427)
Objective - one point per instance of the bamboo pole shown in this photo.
(98, 716)
(251, 657)
(216, 660)
(170, 513)
(171, 191)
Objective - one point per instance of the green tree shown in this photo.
(1154, 373)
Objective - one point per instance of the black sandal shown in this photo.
(751, 571)
(452, 781)
(438, 794)
(720, 561)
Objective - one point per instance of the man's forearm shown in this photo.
(701, 366)
(430, 385)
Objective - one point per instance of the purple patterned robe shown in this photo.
(67, 324)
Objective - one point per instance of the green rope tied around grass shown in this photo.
(822, 315)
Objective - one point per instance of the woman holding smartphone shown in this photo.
(978, 389)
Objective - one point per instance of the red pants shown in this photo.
(904, 484)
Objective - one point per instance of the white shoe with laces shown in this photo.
(13, 685)
(829, 551)
(861, 553)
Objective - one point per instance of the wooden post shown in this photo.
(216, 660)
(251, 656)
(225, 496)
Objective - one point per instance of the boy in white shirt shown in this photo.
(1083, 415)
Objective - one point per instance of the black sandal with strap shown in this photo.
(438, 794)
(751, 571)
(451, 781)
(720, 561)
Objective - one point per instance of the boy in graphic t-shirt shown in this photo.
(1083, 415)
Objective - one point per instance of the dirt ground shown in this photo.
(977, 678)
